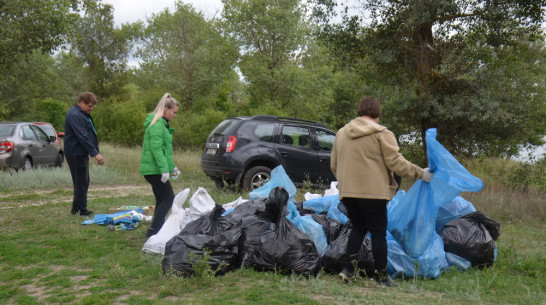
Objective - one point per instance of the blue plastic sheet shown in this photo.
(412, 216)
(307, 224)
(104, 219)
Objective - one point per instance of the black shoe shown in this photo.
(386, 281)
(86, 213)
(346, 275)
(74, 212)
(151, 232)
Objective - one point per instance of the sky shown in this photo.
(133, 10)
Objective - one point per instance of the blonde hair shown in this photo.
(166, 102)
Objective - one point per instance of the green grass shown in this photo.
(48, 257)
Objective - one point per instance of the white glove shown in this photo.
(427, 175)
(176, 173)
(165, 177)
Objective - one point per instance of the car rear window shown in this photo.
(6, 130)
(225, 127)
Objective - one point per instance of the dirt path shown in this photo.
(40, 197)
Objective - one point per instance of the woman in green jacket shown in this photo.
(156, 161)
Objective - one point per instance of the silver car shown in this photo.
(25, 145)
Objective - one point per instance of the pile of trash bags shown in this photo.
(430, 229)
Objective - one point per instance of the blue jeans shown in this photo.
(367, 215)
(164, 197)
(79, 170)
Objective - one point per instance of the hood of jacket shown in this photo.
(361, 127)
(148, 120)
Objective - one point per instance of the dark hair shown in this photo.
(369, 106)
(87, 98)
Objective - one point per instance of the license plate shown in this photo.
(211, 151)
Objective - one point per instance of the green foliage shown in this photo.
(52, 111)
(30, 81)
(102, 47)
(185, 54)
(448, 65)
(120, 121)
(192, 129)
(278, 59)
(31, 25)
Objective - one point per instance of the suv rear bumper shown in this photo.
(214, 171)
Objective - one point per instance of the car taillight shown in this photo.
(6, 147)
(230, 145)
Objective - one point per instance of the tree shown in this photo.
(186, 55)
(27, 25)
(279, 60)
(102, 48)
(445, 63)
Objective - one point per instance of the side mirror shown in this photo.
(52, 138)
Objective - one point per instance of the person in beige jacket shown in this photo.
(364, 157)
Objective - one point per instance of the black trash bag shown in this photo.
(331, 226)
(333, 258)
(210, 223)
(301, 210)
(245, 209)
(472, 237)
(182, 251)
(269, 241)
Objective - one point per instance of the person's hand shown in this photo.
(175, 173)
(427, 175)
(165, 177)
(100, 159)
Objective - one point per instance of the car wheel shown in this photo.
(60, 160)
(28, 164)
(256, 177)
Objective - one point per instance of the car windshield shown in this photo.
(6, 130)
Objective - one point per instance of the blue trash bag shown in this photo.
(306, 224)
(429, 265)
(328, 204)
(412, 219)
(336, 214)
(321, 204)
(279, 178)
(309, 226)
(457, 261)
(457, 208)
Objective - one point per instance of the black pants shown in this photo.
(367, 215)
(79, 170)
(164, 197)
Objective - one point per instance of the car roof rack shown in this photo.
(282, 118)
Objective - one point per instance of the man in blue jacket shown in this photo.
(80, 142)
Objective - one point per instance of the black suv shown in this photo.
(242, 151)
